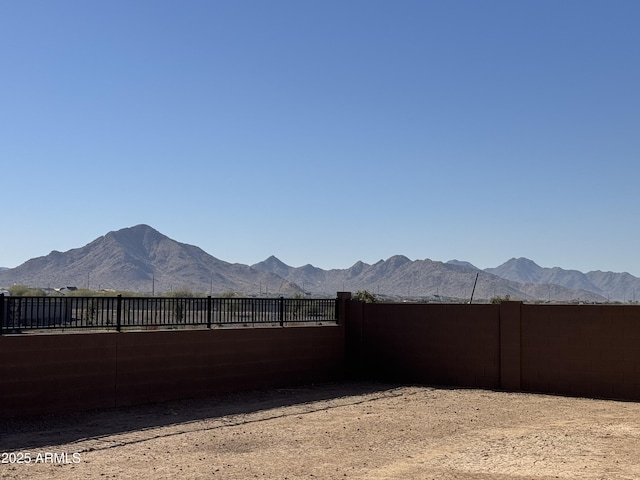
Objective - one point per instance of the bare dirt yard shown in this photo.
(334, 431)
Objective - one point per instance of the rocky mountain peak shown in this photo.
(274, 265)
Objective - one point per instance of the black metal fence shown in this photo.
(19, 314)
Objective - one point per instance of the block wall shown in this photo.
(439, 344)
(582, 350)
(63, 372)
(578, 350)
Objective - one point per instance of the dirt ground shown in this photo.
(334, 431)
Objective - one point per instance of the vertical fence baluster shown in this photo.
(118, 313)
(3, 303)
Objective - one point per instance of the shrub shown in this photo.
(24, 291)
(365, 296)
(499, 299)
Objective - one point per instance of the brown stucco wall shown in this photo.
(440, 344)
(62, 372)
(583, 350)
(579, 350)
(49, 373)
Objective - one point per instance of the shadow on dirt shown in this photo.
(29, 433)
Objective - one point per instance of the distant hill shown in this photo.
(142, 259)
(462, 264)
(614, 286)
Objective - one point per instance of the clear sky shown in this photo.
(325, 132)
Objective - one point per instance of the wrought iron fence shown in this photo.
(18, 314)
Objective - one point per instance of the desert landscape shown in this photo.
(336, 430)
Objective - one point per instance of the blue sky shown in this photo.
(325, 132)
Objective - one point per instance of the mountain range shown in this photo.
(142, 259)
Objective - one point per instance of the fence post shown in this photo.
(209, 311)
(118, 313)
(2, 312)
(341, 307)
(281, 312)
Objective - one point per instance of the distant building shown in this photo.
(65, 290)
